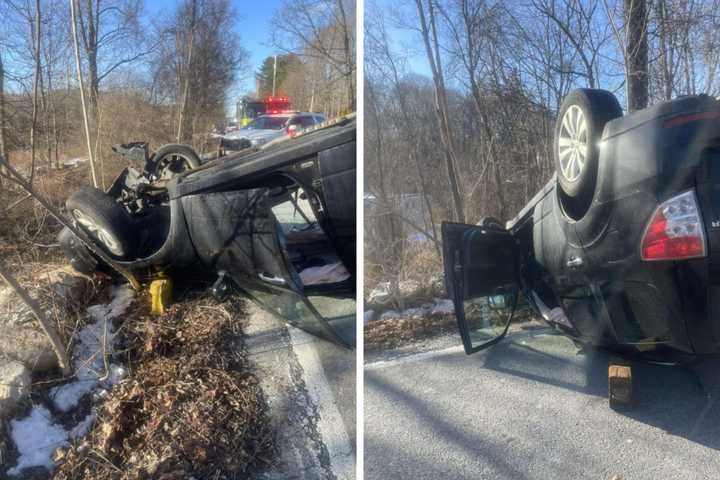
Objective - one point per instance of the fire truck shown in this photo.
(250, 108)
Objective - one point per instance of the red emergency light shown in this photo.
(277, 104)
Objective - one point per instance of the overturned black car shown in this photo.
(277, 223)
(620, 249)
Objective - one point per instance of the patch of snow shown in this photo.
(443, 307)
(82, 428)
(36, 438)
(418, 237)
(66, 397)
(117, 374)
(74, 162)
(414, 312)
(380, 294)
(390, 315)
(89, 350)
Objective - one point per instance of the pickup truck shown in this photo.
(621, 248)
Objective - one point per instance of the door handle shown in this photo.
(273, 280)
(574, 262)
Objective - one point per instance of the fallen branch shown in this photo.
(17, 202)
(52, 335)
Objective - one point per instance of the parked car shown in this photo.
(278, 224)
(266, 128)
(621, 247)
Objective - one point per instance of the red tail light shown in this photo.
(675, 231)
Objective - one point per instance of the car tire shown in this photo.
(174, 159)
(578, 130)
(491, 222)
(104, 220)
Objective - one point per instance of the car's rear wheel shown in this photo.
(578, 130)
(174, 159)
(104, 220)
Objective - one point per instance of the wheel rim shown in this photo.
(573, 144)
(106, 238)
(172, 164)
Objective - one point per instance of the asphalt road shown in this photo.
(532, 408)
(309, 386)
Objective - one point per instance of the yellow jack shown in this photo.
(160, 295)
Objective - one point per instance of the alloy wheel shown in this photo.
(573, 144)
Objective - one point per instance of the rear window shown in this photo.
(268, 123)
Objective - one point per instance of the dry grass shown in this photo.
(27, 231)
(388, 334)
(191, 406)
(420, 263)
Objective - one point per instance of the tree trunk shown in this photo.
(182, 121)
(637, 54)
(3, 129)
(91, 48)
(441, 107)
(665, 62)
(350, 90)
(82, 93)
(36, 83)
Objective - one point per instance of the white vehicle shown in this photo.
(266, 128)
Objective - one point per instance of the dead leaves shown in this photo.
(186, 409)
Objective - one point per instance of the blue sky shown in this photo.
(403, 40)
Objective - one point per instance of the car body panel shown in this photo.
(590, 268)
(220, 219)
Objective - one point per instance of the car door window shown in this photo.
(296, 310)
(481, 276)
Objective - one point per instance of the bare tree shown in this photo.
(428, 30)
(86, 121)
(637, 54)
(111, 37)
(185, 82)
(323, 30)
(35, 30)
(3, 120)
(186, 71)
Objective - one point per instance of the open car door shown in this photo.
(281, 223)
(482, 268)
(238, 232)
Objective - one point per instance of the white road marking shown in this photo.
(416, 357)
(330, 424)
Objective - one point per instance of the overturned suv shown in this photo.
(620, 249)
(278, 224)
